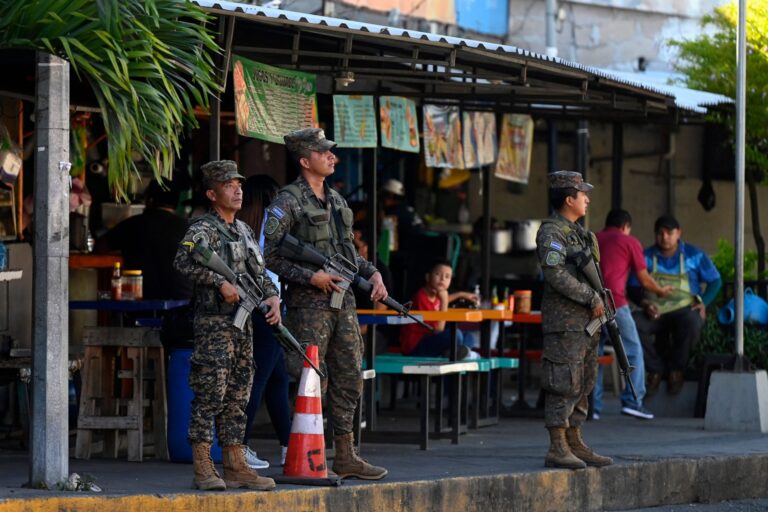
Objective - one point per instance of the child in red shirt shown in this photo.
(416, 340)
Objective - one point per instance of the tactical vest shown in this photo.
(576, 242)
(329, 229)
(240, 253)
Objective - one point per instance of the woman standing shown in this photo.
(271, 378)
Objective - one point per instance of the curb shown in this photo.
(624, 486)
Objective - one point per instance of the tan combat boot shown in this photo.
(206, 477)
(584, 452)
(237, 473)
(559, 454)
(347, 463)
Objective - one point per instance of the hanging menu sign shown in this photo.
(271, 102)
(354, 121)
(398, 124)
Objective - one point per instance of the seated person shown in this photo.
(416, 340)
(679, 316)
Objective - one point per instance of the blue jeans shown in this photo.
(435, 345)
(270, 381)
(634, 350)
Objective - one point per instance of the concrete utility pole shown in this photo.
(49, 452)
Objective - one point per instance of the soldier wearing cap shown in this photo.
(568, 304)
(316, 214)
(222, 363)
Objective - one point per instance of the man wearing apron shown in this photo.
(669, 327)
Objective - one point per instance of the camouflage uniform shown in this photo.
(222, 362)
(327, 226)
(570, 355)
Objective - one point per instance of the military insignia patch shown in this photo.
(277, 212)
(553, 258)
(271, 227)
(555, 245)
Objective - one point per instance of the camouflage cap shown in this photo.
(568, 179)
(308, 138)
(220, 170)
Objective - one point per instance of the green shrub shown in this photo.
(716, 339)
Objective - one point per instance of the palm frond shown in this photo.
(148, 62)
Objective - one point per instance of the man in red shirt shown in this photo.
(620, 254)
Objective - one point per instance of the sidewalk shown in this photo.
(663, 461)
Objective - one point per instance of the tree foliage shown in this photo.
(149, 62)
(709, 64)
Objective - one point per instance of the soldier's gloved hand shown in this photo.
(379, 291)
(325, 281)
(229, 292)
(273, 315)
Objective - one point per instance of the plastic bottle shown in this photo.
(117, 282)
(494, 296)
(3, 256)
(476, 291)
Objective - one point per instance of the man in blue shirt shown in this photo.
(669, 327)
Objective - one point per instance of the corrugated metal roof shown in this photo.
(688, 99)
(695, 101)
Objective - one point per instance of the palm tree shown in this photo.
(149, 62)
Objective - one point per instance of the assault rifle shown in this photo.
(251, 296)
(338, 265)
(586, 263)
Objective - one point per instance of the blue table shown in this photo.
(131, 306)
(128, 305)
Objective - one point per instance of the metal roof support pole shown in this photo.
(582, 148)
(485, 289)
(214, 133)
(370, 179)
(618, 163)
(49, 454)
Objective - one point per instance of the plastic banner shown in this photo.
(479, 138)
(354, 122)
(271, 102)
(442, 137)
(398, 124)
(515, 143)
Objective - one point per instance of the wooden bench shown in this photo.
(129, 356)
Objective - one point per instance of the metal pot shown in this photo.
(501, 240)
(525, 234)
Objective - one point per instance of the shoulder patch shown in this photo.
(553, 258)
(277, 212)
(555, 245)
(271, 226)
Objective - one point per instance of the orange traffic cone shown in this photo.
(305, 461)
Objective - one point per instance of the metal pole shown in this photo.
(485, 287)
(49, 454)
(550, 26)
(618, 163)
(370, 180)
(741, 83)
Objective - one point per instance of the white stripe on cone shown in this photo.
(307, 423)
(309, 386)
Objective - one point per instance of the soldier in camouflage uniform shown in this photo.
(568, 304)
(222, 363)
(316, 214)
